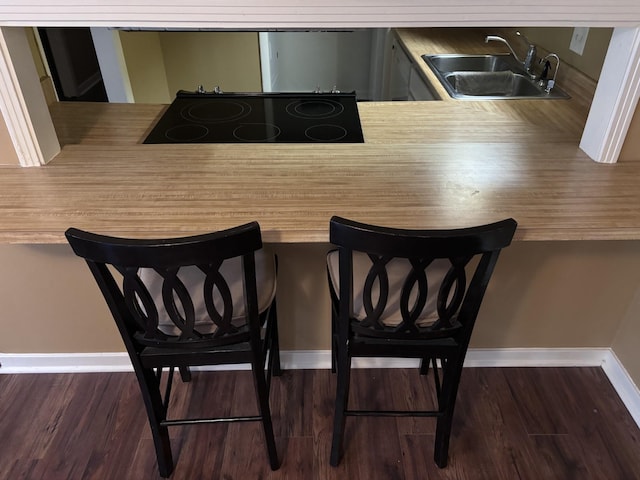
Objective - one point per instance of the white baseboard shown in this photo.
(624, 385)
(321, 359)
(316, 359)
(536, 357)
(476, 357)
(64, 362)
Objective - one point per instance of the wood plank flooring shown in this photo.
(510, 423)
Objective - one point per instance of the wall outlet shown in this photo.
(578, 39)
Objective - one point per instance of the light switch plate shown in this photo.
(578, 39)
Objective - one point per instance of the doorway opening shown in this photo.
(73, 63)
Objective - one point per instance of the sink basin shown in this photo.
(492, 84)
(487, 77)
(470, 63)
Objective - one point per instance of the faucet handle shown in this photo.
(532, 51)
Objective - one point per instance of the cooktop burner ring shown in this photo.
(215, 111)
(256, 132)
(315, 108)
(325, 133)
(186, 132)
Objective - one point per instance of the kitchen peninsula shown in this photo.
(432, 163)
(439, 164)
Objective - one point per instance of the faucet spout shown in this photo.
(531, 50)
(496, 38)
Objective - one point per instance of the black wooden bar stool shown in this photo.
(194, 301)
(408, 294)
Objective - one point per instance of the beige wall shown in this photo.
(559, 294)
(8, 154)
(161, 63)
(557, 40)
(625, 344)
(230, 60)
(145, 65)
(50, 303)
(590, 63)
(631, 147)
(543, 294)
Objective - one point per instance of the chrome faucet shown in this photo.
(551, 82)
(531, 50)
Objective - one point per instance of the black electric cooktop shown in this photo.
(259, 118)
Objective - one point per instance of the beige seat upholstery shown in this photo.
(193, 279)
(397, 271)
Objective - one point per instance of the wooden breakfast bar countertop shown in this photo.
(436, 164)
(423, 164)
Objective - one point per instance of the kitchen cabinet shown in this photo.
(400, 71)
(419, 89)
(405, 79)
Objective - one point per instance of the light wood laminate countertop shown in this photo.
(436, 164)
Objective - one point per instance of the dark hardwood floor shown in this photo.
(510, 423)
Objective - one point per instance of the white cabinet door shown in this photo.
(405, 81)
(400, 73)
(418, 87)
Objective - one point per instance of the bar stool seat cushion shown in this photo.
(397, 270)
(193, 279)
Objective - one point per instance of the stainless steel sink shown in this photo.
(470, 63)
(488, 77)
(492, 84)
